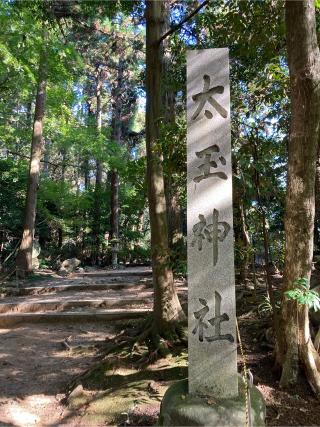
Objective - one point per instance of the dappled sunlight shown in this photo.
(35, 360)
(113, 392)
(27, 411)
(3, 355)
(35, 366)
(20, 416)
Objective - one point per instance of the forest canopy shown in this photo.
(95, 61)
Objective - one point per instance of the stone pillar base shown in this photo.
(178, 408)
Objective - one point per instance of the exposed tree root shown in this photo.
(143, 347)
(311, 361)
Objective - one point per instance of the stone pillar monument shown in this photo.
(212, 395)
(211, 301)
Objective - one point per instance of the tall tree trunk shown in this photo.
(266, 246)
(114, 218)
(24, 256)
(116, 136)
(46, 158)
(265, 233)
(175, 234)
(98, 183)
(242, 236)
(85, 171)
(167, 309)
(304, 68)
(317, 205)
(63, 176)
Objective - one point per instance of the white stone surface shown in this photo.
(213, 362)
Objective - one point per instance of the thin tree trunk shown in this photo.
(63, 176)
(114, 217)
(265, 233)
(167, 309)
(46, 159)
(266, 246)
(245, 237)
(169, 100)
(304, 68)
(85, 167)
(24, 256)
(317, 205)
(98, 183)
(116, 136)
(242, 236)
(140, 225)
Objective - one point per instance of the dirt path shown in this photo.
(35, 368)
(36, 365)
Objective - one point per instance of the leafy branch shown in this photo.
(303, 295)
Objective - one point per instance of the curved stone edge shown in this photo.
(178, 408)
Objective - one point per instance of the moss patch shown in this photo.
(119, 388)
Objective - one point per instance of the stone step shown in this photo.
(117, 273)
(63, 305)
(11, 319)
(36, 290)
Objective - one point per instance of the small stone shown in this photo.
(63, 273)
(76, 392)
(154, 387)
(77, 398)
(69, 266)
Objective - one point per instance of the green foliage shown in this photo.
(303, 295)
(83, 39)
(13, 180)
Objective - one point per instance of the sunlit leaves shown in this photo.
(303, 295)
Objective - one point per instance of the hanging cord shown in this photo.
(247, 380)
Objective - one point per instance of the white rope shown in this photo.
(247, 378)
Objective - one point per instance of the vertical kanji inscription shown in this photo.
(211, 290)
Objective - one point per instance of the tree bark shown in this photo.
(116, 136)
(98, 183)
(85, 171)
(175, 234)
(317, 205)
(304, 68)
(46, 159)
(114, 218)
(24, 256)
(242, 236)
(63, 176)
(167, 308)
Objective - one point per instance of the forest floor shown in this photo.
(294, 407)
(42, 365)
(39, 360)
